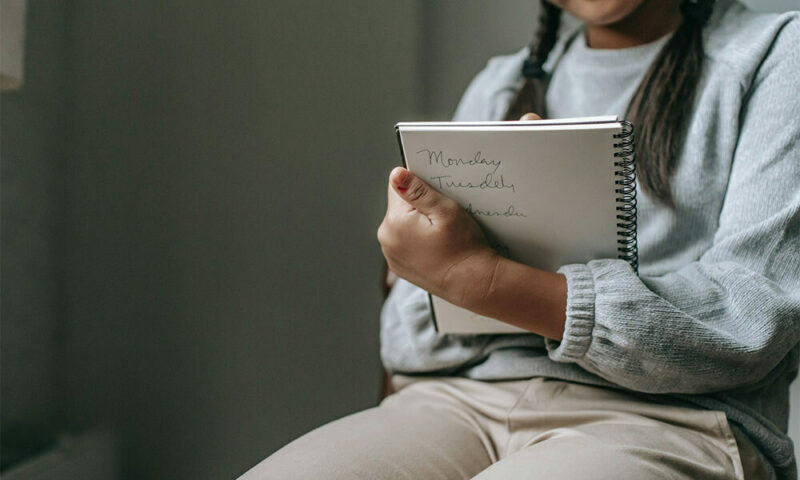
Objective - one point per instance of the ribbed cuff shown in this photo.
(580, 315)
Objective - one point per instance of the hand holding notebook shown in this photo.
(546, 193)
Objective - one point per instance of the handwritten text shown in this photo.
(489, 181)
(436, 157)
(511, 211)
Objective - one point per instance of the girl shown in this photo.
(680, 372)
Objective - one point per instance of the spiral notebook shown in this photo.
(547, 193)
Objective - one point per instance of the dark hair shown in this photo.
(530, 97)
(662, 103)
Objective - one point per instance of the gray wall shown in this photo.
(33, 150)
(226, 181)
(773, 5)
(190, 197)
(458, 38)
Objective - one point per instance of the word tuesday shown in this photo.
(489, 181)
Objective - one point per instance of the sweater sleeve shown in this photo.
(729, 318)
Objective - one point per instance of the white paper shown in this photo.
(543, 191)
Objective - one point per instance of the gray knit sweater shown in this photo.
(713, 319)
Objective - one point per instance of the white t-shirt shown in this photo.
(590, 81)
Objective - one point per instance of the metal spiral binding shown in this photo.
(626, 199)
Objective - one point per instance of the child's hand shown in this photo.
(429, 240)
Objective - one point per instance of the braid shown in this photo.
(662, 104)
(530, 98)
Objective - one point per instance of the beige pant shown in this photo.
(455, 428)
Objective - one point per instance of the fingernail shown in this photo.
(401, 180)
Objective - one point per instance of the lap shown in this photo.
(609, 450)
(381, 443)
(461, 429)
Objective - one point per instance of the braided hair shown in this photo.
(530, 97)
(661, 106)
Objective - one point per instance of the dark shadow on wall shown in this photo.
(190, 197)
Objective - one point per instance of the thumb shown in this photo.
(530, 116)
(413, 190)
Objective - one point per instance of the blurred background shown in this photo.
(190, 194)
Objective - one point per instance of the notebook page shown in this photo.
(544, 194)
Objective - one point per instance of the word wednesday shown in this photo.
(511, 211)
